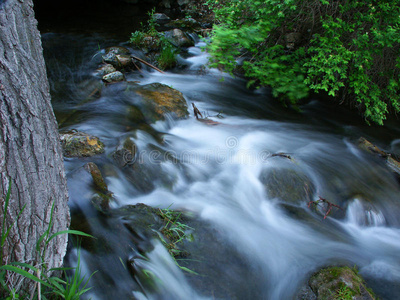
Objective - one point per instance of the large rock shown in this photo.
(117, 50)
(288, 185)
(114, 77)
(161, 19)
(80, 144)
(339, 283)
(391, 162)
(105, 69)
(112, 59)
(178, 38)
(160, 100)
(187, 24)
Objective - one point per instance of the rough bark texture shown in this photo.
(30, 152)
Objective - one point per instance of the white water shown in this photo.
(217, 177)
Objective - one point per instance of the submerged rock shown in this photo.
(160, 100)
(391, 162)
(80, 144)
(288, 185)
(338, 283)
(125, 153)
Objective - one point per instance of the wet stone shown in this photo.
(80, 144)
(114, 77)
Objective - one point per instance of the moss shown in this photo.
(98, 180)
(79, 144)
(161, 99)
(335, 283)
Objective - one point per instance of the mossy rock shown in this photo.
(117, 50)
(98, 180)
(187, 24)
(114, 77)
(178, 38)
(135, 115)
(105, 70)
(336, 283)
(80, 144)
(102, 198)
(160, 100)
(126, 151)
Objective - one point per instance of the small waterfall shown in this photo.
(358, 214)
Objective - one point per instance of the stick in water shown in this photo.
(146, 63)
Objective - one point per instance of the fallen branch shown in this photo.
(147, 64)
(196, 112)
(281, 154)
(136, 66)
(330, 205)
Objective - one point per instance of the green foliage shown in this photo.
(344, 293)
(348, 49)
(175, 232)
(167, 59)
(70, 289)
(150, 39)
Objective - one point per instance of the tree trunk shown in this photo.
(30, 153)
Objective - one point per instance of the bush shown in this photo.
(152, 40)
(348, 49)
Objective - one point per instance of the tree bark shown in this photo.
(30, 152)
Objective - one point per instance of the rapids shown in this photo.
(260, 247)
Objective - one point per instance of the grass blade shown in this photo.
(24, 273)
(75, 232)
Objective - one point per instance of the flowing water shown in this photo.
(255, 239)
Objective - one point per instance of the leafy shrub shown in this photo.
(149, 38)
(348, 49)
(166, 59)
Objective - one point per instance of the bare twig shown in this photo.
(330, 205)
(281, 154)
(196, 112)
(136, 66)
(147, 64)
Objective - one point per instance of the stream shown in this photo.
(257, 238)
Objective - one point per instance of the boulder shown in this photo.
(161, 19)
(187, 24)
(178, 38)
(117, 50)
(292, 40)
(80, 144)
(339, 283)
(105, 69)
(160, 100)
(125, 60)
(391, 161)
(114, 77)
(288, 185)
(112, 59)
(125, 153)
(150, 43)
